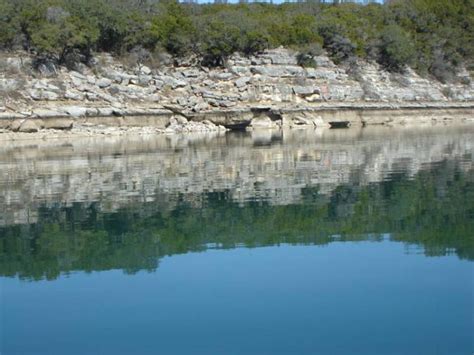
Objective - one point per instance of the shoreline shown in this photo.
(63, 121)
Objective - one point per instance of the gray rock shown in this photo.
(260, 61)
(91, 96)
(321, 73)
(112, 75)
(17, 63)
(47, 112)
(142, 80)
(280, 56)
(86, 88)
(324, 61)
(77, 81)
(48, 69)
(75, 74)
(226, 103)
(106, 97)
(45, 85)
(191, 73)
(305, 90)
(114, 90)
(240, 70)
(8, 85)
(105, 111)
(278, 71)
(173, 82)
(200, 106)
(104, 83)
(221, 76)
(74, 95)
(38, 94)
(182, 101)
(241, 82)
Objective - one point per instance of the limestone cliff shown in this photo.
(247, 84)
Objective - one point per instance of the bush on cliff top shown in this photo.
(432, 36)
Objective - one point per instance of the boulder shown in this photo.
(104, 83)
(111, 74)
(61, 123)
(240, 70)
(29, 126)
(142, 80)
(9, 84)
(241, 82)
(16, 124)
(221, 76)
(39, 94)
(45, 85)
(91, 79)
(75, 111)
(173, 82)
(75, 74)
(280, 56)
(77, 81)
(145, 70)
(74, 95)
(201, 106)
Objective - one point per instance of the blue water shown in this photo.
(346, 298)
(374, 263)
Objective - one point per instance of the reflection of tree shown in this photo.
(435, 210)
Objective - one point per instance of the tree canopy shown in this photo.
(433, 36)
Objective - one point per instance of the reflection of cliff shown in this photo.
(432, 209)
(114, 172)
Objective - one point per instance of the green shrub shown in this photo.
(305, 56)
(396, 49)
(434, 37)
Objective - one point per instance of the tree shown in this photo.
(9, 27)
(218, 42)
(396, 49)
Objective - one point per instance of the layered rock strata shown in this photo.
(267, 90)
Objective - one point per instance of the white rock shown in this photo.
(145, 70)
(75, 111)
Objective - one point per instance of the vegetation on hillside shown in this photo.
(433, 36)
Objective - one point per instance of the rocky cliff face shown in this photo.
(274, 167)
(272, 79)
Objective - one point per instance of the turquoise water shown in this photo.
(332, 242)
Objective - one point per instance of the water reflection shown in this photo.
(115, 203)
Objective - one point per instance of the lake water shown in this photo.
(357, 241)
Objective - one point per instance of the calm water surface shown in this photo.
(303, 242)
